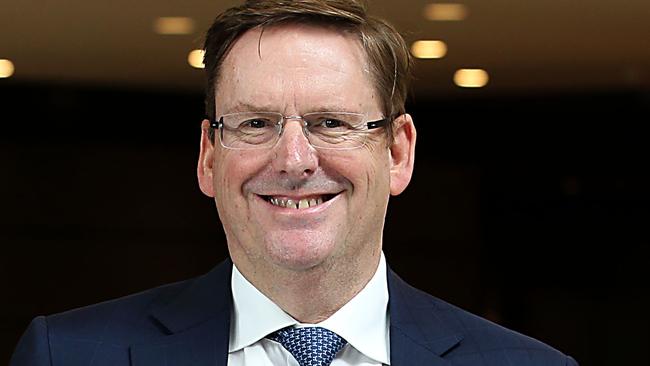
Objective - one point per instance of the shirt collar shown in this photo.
(363, 321)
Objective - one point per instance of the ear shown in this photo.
(206, 161)
(402, 154)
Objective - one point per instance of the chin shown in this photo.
(299, 250)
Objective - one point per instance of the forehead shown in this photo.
(295, 67)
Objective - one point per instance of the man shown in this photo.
(306, 139)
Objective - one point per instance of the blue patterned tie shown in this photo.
(311, 346)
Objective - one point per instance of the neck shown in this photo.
(314, 294)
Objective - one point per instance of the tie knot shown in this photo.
(310, 346)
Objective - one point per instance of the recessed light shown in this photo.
(195, 59)
(173, 25)
(6, 68)
(471, 78)
(445, 12)
(429, 49)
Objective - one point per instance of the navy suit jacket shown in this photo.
(188, 323)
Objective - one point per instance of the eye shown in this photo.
(332, 123)
(255, 123)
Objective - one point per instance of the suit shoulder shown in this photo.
(105, 333)
(482, 342)
(115, 319)
(486, 340)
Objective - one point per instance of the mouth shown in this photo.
(299, 203)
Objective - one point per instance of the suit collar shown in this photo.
(206, 297)
(419, 331)
(197, 321)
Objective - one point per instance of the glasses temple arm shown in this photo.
(376, 124)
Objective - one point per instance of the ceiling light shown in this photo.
(445, 12)
(6, 68)
(173, 25)
(471, 78)
(195, 59)
(429, 49)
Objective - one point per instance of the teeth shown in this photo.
(296, 204)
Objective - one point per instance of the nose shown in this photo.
(294, 156)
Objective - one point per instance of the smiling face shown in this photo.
(291, 206)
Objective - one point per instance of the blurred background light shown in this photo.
(445, 12)
(173, 25)
(6, 68)
(195, 59)
(471, 78)
(428, 49)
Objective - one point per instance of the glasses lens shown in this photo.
(328, 130)
(250, 130)
(336, 130)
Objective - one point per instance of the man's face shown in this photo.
(297, 69)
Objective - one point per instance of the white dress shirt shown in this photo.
(363, 322)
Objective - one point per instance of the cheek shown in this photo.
(378, 178)
(367, 170)
(232, 170)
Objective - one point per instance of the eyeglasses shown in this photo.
(325, 130)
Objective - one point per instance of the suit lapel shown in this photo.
(419, 334)
(197, 322)
(199, 346)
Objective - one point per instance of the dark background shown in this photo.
(531, 210)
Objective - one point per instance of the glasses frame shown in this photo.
(370, 125)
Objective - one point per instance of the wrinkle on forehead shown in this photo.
(294, 30)
(303, 64)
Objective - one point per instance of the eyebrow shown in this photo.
(242, 106)
(247, 107)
